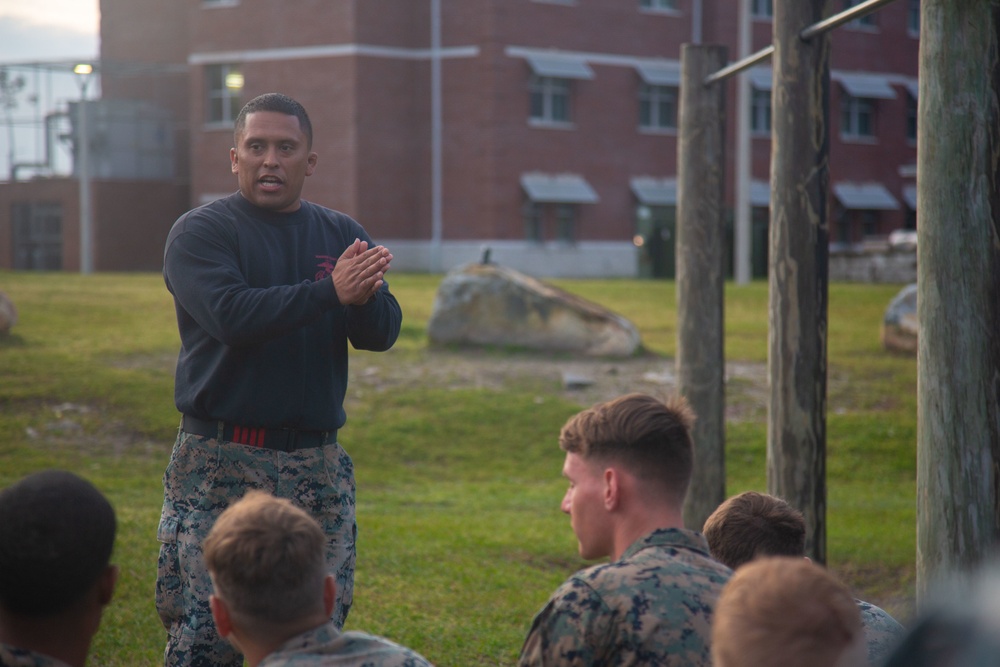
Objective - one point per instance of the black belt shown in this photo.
(281, 439)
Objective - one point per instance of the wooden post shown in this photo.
(958, 287)
(700, 273)
(799, 268)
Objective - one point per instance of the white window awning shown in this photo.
(560, 66)
(760, 194)
(655, 191)
(910, 196)
(657, 73)
(760, 78)
(865, 196)
(558, 189)
(913, 87)
(865, 85)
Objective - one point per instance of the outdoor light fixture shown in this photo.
(234, 80)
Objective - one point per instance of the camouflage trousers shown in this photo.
(203, 477)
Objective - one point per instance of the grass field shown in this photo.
(460, 536)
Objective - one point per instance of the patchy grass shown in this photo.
(461, 540)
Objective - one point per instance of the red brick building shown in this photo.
(544, 129)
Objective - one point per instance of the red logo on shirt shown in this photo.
(325, 266)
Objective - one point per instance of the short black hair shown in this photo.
(279, 103)
(57, 532)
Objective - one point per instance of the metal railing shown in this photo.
(826, 25)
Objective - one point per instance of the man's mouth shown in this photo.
(269, 182)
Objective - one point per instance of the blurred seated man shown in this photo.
(273, 594)
(56, 536)
(628, 463)
(788, 612)
(752, 524)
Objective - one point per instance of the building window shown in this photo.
(911, 118)
(657, 107)
(549, 99)
(762, 9)
(866, 21)
(37, 236)
(913, 18)
(225, 93)
(869, 223)
(857, 116)
(533, 228)
(760, 111)
(669, 5)
(537, 214)
(566, 222)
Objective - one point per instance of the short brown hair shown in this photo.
(783, 611)
(754, 524)
(649, 437)
(267, 560)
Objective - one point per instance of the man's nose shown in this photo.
(565, 503)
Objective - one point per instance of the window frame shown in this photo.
(759, 108)
(853, 112)
(762, 10)
(229, 99)
(659, 6)
(548, 91)
(653, 101)
(867, 22)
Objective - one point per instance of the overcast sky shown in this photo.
(34, 30)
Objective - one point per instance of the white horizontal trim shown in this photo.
(865, 196)
(329, 51)
(591, 58)
(559, 66)
(558, 188)
(865, 85)
(654, 191)
(664, 73)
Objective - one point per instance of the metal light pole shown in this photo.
(83, 72)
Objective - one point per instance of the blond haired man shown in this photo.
(273, 593)
(628, 462)
(789, 612)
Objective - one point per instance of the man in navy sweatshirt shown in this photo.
(268, 289)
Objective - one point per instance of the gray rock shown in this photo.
(491, 305)
(900, 326)
(8, 314)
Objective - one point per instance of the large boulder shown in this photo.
(900, 325)
(8, 314)
(488, 304)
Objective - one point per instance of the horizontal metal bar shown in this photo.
(740, 65)
(846, 16)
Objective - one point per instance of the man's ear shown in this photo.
(612, 488)
(106, 584)
(234, 161)
(329, 593)
(220, 613)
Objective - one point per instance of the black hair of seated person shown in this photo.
(57, 532)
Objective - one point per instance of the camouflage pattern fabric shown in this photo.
(327, 646)
(651, 607)
(882, 632)
(11, 656)
(203, 477)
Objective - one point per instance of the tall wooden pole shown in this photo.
(958, 287)
(799, 268)
(700, 274)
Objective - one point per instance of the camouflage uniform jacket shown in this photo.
(651, 607)
(882, 632)
(11, 656)
(329, 647)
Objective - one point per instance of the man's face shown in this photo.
(584, 502)
(271, 160)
